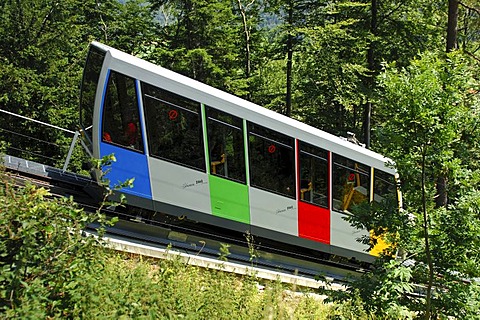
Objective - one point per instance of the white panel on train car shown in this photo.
(180, 186)
(274, 212)
(343, 235)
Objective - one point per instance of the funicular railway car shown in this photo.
(200, 153)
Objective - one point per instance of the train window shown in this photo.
(91, 73)
(174, 127)
(272, 160)
(351, 183)
(226, 145)
(313, 175)
(121, 121)
(383, 185)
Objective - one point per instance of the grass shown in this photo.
(131, 287)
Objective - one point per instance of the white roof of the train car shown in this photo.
(195, 90)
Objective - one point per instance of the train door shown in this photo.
(273, 205)
(121, 135)
(313, 193)
(227, 166)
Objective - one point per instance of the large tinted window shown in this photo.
(226, 145)
(174, 127)
(121, 121)
(383, 185)
(313, 175)
(351, 183)
(272, 160)
(91, 73)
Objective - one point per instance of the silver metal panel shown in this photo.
(274, 212)
(343, 235)
(180, 186)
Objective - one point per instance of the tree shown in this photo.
(201, 41)
(43, 50)
(293, 15)
(428, 111)
(367, 113)
(399, 30)
(331, 67)
(247, 32)
(38, 64)
(43, 253)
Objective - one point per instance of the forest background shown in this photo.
(402, 75)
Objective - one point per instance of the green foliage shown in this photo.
(407, 28)
(42, 253)
(224, 251)
(199, 41)
(426, 120)
(387, 288)
(331, 66)
(169, 289)
(252, 249)
(128, 26)
(42, 53)
(428, 126)
(38, 66)
(43, 49)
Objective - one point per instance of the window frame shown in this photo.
(252, 152)
(162, 104)
(392, 183)
(314, 157)
(138, 122)
(210, 117)
(90, 80)
(354, 171)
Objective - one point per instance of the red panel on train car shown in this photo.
(313, 222)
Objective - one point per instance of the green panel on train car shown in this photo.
(229, 199)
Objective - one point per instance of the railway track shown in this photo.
(202, 247)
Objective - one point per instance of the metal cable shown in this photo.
(29, 137)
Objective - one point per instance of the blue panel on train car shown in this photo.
(129, 164)
(121, 134)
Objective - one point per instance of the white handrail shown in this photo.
(76, 134)
(44, 123)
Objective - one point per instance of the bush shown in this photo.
(42, 252)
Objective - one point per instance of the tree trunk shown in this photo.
(288, 98)
(452, 25)
(441, 198)
(367, 114)
(367, 117)
(428, 254)
(246, 32)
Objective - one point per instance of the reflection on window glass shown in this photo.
(272, 164)
(121, 121)
(351, 183)
(226, 145)
(313, 175)
(383, 185)
(174, 127)
(91, 74)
